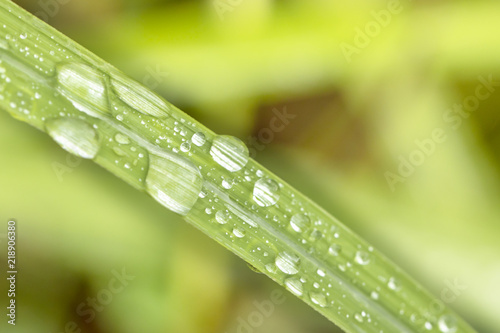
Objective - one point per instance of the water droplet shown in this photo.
(428, 325)
(294, 286)
(374, 295)
(300, 222)
(271, 268)
(174, 181)
(447, 324)
(288, 263)
(185, 147)
(139, 97)
(315, 235)
(359, 317)
(122, 139)
(394, 284)
(240, 233)
(229, 152)
(199, 139)
(321, 272)
(362, 258)
(334, 250)
(318, 299)
(266, 192)
(74, 135)
(84, 86)
(227, 184)
(23, 36)
(222, 217)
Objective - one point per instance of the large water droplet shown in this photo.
(362, 258)
(288, 263)
(266, 192)
(229, 152)
(139, 97)
(84, 86)
(222, 217)
(394, 284)
(334, 250)
(300, 222)
(199, 139)
(318, 299)
(447, 324)
(174, 181)
(122, 139)
(74, 135)
(294, 286)
(240, 233)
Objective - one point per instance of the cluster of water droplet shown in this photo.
(138, 136)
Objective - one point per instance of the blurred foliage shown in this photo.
(353, 121)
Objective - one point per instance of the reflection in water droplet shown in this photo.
(122, 139)
(266, 192)
(139, 97)
(174, 181)
(300, 222)
(185, 147)
(199, 139)
(229, 152)
(288, 263)
(394, 284)
(240, 233)
(362, 258)
(358, 317)
(74, 135)
(374, 295)
(294, 286)
(334, 250)
(222, 217)
(84, 86)
(318, 299)
(447, 324)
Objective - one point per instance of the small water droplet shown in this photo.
(318, 299)
(288, 263)
(227, 184)
(185, 147)
(428, 325)
(362, 258)
(229, 152)
(374, 295)
(394, 284)
(321, 273)
(447, 324)
(222, 217)
(266, 192)
(199, 139)
(122, 139)
(240, 233)
(300, 222)
(294, 286)
(334, 250)
(74, 135)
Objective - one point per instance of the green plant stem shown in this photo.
(96, 112)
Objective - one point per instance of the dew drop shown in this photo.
(362, 258)
(359, 317)
(239, 232)
(318, 299)
(300, 222)
(139, 97)
(84, 86)
(222, 217)
(321, 272)
(199, 139)
(229, 152)
(185, 147)
(288, 263)
(447, 324)
(74, 135)
(394, 284)
(334, 250)
(374, 295)
(266, 192)
(294, 286)
(122, 139)
(174, 181)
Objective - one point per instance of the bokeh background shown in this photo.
(229, 64)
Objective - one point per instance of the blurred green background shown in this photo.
(229, 64)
